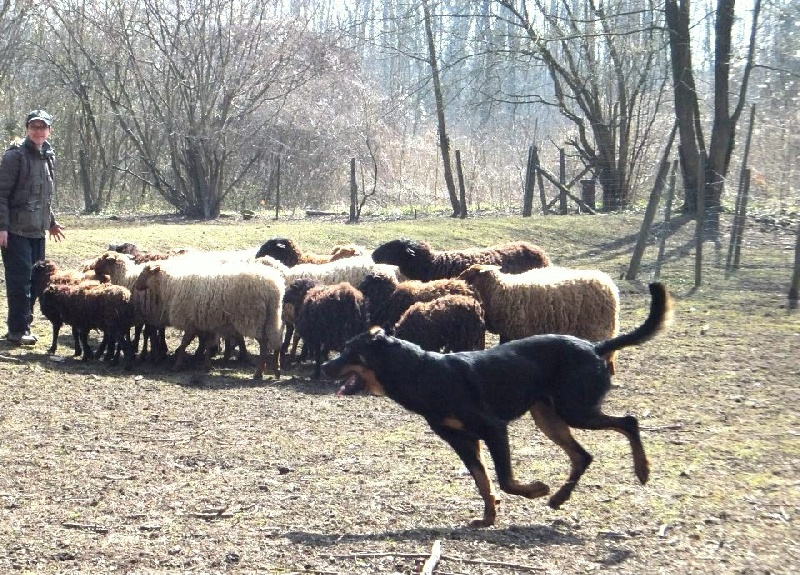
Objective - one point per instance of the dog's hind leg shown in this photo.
(557, 431)
(468, 449)
(627, 426)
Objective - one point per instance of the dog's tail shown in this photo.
(658, 319)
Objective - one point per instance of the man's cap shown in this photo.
(39, 115)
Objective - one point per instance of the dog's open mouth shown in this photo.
(350, 385)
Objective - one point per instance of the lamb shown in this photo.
(91, 305)
(233, 300)
(289, 253)
(447, 324)
(328, 317)
(418, 261)
(388, 299)
(583, 303)
(47, 272)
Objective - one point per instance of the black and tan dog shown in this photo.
(471, 396)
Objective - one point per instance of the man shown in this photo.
(26, 191)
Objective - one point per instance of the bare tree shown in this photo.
(717, 154)
(193, 85)
(444, 139)
(98, 141)
(606, 80)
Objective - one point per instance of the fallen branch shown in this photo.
(433, 560)
(663, 427)
(85, 527)
(367, 555)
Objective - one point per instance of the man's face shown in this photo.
(38, 132)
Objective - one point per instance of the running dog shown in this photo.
(471, 396)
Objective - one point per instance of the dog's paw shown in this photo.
(530, 490)
(560, 496)
(481, 523)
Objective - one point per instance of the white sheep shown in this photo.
(232, 300)
(351, 270)
(583, 303)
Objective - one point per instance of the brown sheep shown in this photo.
(449, 323)
(418, 261)
(328, 317)
(385, 306)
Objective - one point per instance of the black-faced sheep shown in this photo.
(289, 253)
(388, 299)
(447, 324)
(328, 317)
(418, 261)
(233, 300)
(583, 303)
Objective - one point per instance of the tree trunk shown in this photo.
(444, 140)
(677, 18)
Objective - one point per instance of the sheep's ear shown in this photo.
(376, 333)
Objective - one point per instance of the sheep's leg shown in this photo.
(76, 341)
(263, 354)
(287, 339)
(56, 328)
(128, 351)
(137, 336)
(557, 430)
(180, 353)
(83, 334)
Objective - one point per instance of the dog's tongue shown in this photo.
(349, 386)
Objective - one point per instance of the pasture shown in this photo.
(155, 471)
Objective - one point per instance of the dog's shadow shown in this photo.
(513, 535)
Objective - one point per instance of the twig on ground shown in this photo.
(433, 560)
(85, 527)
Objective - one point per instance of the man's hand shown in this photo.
(3, 239)
(56, 232)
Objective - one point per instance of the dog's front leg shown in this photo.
(496, 438)
(468, 449)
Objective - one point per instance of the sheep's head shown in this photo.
(124, 248)
(147, 277)
(109, 261)
(397, 252)
(282, 249)
(377, 286)
(477, 273)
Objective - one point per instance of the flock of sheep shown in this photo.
(280, 295)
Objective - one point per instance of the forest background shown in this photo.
(210, 105)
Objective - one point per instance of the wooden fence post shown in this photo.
(527, 192)
(353, 191)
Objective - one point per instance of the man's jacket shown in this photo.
(26, 190)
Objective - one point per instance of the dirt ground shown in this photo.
(103, 471)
